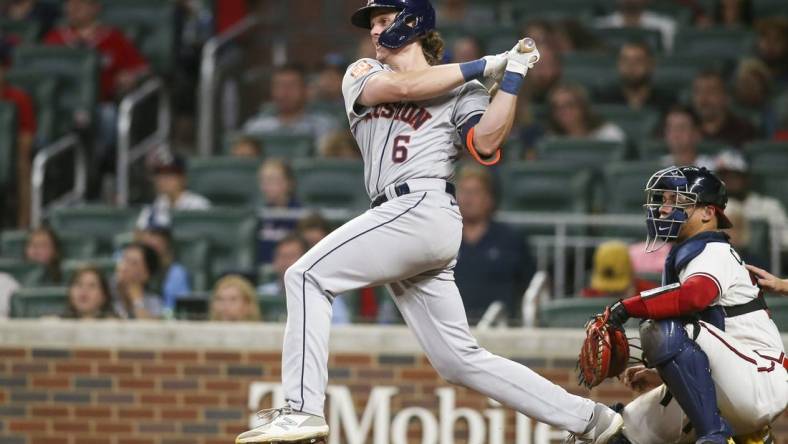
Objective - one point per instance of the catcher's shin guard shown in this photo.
(685, 369)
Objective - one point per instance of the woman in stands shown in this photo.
(89, 296)
(43, 247)
(233, 300)
(571, 116)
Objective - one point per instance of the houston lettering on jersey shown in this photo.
(413, 115)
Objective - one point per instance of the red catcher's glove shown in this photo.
(605, 351)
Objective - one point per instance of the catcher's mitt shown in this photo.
(605, 351)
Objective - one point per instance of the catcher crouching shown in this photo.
(715, 364)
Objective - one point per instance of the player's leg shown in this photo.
(656, 418)
(751, 388)
(432, 307)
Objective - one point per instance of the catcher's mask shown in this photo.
(678, 189)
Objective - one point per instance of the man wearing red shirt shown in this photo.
(26, 129)
(121, 63)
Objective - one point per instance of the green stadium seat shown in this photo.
(545, 186)
(278, 145)
(273, 307)
(614, 38)
(586, 152)
(330, 183)
(713, 43)
(26, 273)
(194, 254)
(769, 8)
(24, 30)
(771, 181)
(105, 264)
(98, 222)
(778, 306)
(572, 312)
(12, 244)
(42, 87)
(225, 180)
(764, 154)
(152, 26)
(595, 77)
(38, 302)
(655, 149)
(7, 146)
(229, 231)
(624, 185)
(77, 71)
(676, 72)
(552, 10)
(638, 124)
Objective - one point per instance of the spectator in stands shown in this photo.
(169, 178)
(772, 47)
(612, 274)
(466, 49)
(288, 250)
(571, 116)
(733, 169)
(681, 132)
(545, 76)
(493, 262)
(289, 113)
(245, 146)
(326, 89)
(25, 134)
(174, 276)
(339, 145)
(234, 300)
(130, 286)
(312, 229)
(43, 247)
(752, 90)
(277, 186)
(733, 13)
(633, 14)
(89, 296)
(740, 236)
(711, 102)
(635, 72)
(45, 14)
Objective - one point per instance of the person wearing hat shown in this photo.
(612, 275)
(169, 178)
(732, 167)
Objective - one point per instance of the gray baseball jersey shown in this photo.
(401, 141)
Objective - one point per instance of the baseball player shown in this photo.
(411, 118)
(708, 340)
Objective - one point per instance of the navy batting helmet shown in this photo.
(415, 19)
(688, 186)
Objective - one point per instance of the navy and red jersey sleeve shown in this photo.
(693, 295)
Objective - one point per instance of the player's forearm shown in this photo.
(495, 125)
(423, 84)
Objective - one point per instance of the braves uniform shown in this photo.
(745, 351)
(409, 243)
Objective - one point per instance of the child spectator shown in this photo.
(88, 296)
(234, 300)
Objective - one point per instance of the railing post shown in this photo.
(38, 173)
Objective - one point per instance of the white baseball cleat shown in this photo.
(604, 425)
(286, 426)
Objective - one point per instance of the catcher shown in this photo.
(715, 364)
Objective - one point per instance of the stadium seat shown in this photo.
(614, 38)
(273, 307)
(764, 154)
(655, 149)
(77, 72)
(277, 145)
(105, 264)
(76, 246)
(38, 302)
(586, 152)
(591, 73)
(769, 8)
(778, 306)
(771, 181)
(193, 307)
(42, 88)
(330, 183)
(26, 273)
(229, 231)
(676, 72)
(551, 10)
(7, 146)
(545, 186)
(624, 185)
(715, 43)
(638, 124)
(225, 180)
(152, 26)
(194, 254)
(95, 221)
(26, 31)
(571, 312)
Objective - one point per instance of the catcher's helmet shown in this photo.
(691, 186)
(415, 19)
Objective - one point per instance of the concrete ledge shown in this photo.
(56, 333)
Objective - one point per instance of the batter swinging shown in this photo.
(411, 118)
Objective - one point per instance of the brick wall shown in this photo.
(191, 396)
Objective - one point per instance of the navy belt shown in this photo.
(756, 304)
(403, 189)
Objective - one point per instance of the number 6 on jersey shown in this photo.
(400, 152)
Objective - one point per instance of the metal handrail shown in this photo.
(128, 154)
(38, 173)
(208, 82)
(535, 290)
